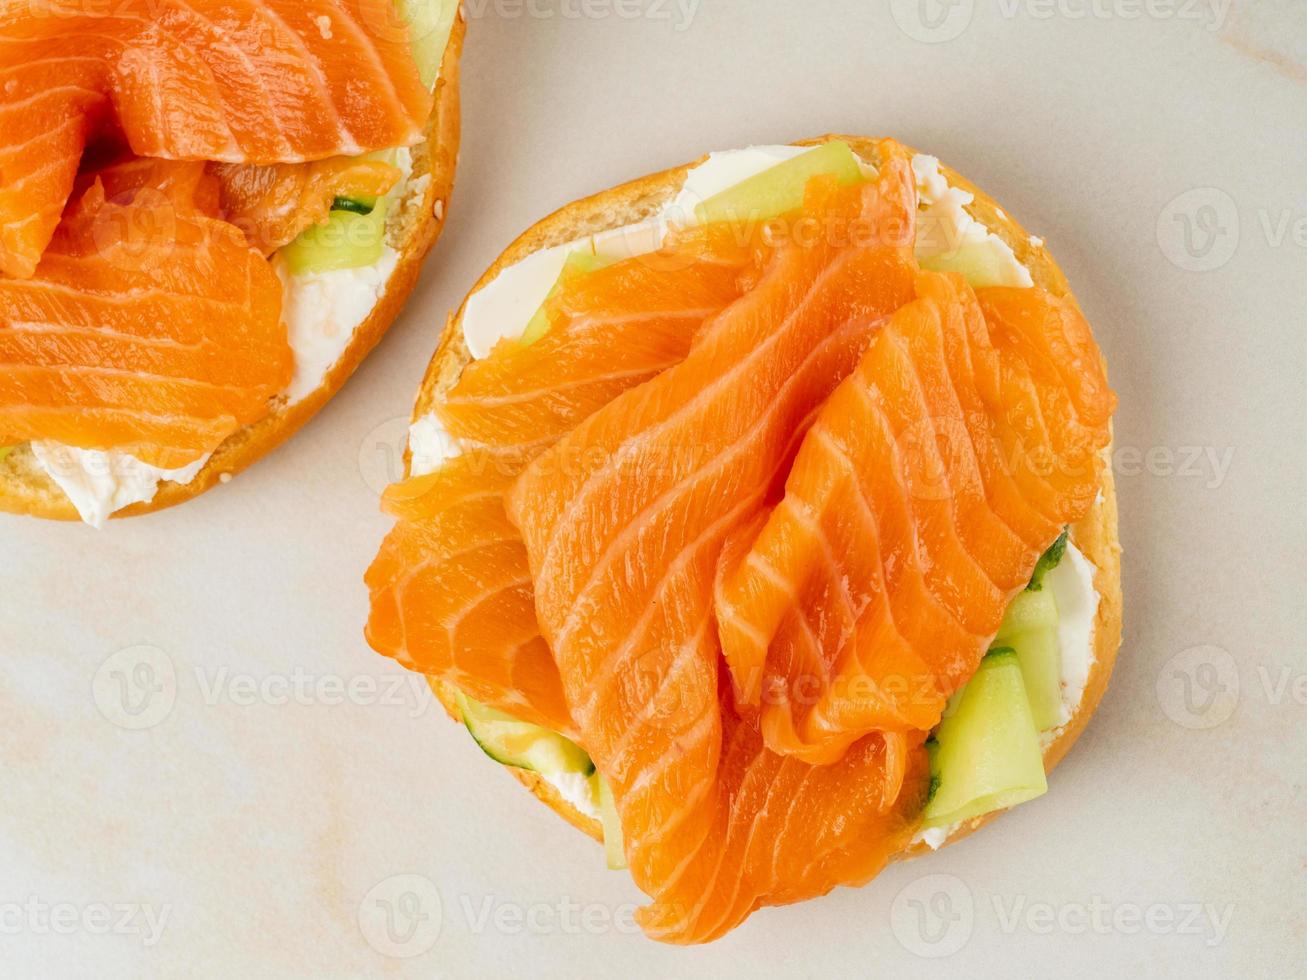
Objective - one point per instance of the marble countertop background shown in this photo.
(269, 792)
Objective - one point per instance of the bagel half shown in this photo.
(411, 229)
(1095, 535)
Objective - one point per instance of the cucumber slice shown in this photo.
(346, 241)
(983, 263)
(1041, 670)
(989, 756)
(520, 744)
(355, 205)
(1048, 561)
(1028, 611)
(429, 23)
(779, 189)
(614, 847)
(576, 263)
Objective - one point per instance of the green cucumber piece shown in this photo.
(989, 756)
(1048, 561)
(429, 23)
(614, 848)
(983, 263)
(354, 205)
(346, 240)
(1041, 671)
(521, 744)
(1028, 611)
(779, 189)
(576, 263)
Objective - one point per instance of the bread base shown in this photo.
(25, 486)
(1095, 535)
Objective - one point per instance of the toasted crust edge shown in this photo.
(27, 489)
(1095, 534)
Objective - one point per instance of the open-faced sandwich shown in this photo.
(757, 519)
(209, 214)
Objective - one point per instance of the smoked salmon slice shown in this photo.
(452, 597)
(273, 203)
(916, 509)
(149, 326)
(623, 521)
(240, 81)
(451, 589)
(610, 330)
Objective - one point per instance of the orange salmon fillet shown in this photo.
(917, 507)
(149, 326)
(451, 590)
(624, 521)
(241, 81)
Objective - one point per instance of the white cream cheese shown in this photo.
(576, 789)
(503, 306)
(322, 310)
(1072, 582)
(944, 225)
(429, 445)
(99, 483)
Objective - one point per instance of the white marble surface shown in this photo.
(244, 817)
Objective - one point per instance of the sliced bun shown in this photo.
(1095, 535)
(26, 488)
